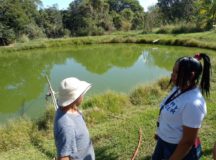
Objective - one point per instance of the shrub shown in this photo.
(185, 28)
(145, 95)
(164, 29)
(7, 35)
(179, 28)
(100, 107)
(32, 31)
(109, 101)
(15, 134)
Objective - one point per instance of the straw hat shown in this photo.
(70, 90)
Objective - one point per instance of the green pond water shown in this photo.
(117, 67)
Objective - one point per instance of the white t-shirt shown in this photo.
(188, 109)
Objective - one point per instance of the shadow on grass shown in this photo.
(37, 145)
(207, 152)
(102, 154)
(147, 158)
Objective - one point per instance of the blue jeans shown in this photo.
(164, 150)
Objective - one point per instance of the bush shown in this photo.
(109, 101)
(32, 31)
(7, 35)
(164, 29)
(99, 108)
(179, 28)
(15, 134)
(97, 31)
(23, 38)
(145, 95)
(186, 28)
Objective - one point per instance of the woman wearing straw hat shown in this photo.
(71, 135)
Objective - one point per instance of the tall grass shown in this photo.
(179, 28)
(100, 107)
(15, 134)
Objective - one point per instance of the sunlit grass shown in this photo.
(202, 39)
(113, 118)
(113, 122)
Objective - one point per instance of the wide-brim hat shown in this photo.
(70, 90)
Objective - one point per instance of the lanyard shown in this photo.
(173, 96)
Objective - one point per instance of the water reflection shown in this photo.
(117, 67)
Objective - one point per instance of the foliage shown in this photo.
(15, 134)
(27, 20)
(7, 35)
(173, 10)
(51, 21)
(179, 28)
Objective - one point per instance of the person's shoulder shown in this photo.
(65, 120)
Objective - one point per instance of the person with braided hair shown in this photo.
(183, 110)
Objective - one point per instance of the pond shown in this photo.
(117, 67)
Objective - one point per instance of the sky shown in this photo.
(63, 4)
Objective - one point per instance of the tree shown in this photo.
(119, 5)
(153, 18)
(7, 35)
(15, 15)
(51, 21)
(206, 13)
(176, 10)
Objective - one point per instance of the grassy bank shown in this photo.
(113, 119)
(202, 40)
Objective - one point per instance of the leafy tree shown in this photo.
(153, 18)
(119, 5)
(127, 14)
(7, 35)
(206, 12)
(117, 21)
(138, 20)
(15, 16)
(176, 10)
(51, 21)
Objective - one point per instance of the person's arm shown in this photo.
(65, 158)
(66, 143)
(185, 144)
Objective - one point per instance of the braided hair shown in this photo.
(187, 65)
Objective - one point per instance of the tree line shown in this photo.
(22, 20)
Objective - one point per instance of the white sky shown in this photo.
(63, 4)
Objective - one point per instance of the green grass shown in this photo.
(113, 122)
(113, 119)
(201, 39)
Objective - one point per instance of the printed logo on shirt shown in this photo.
(172, 107)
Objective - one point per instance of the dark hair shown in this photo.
(187, 65)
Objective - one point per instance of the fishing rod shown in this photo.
(52, 93)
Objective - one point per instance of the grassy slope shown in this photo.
(202, 40)
(113, 122)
